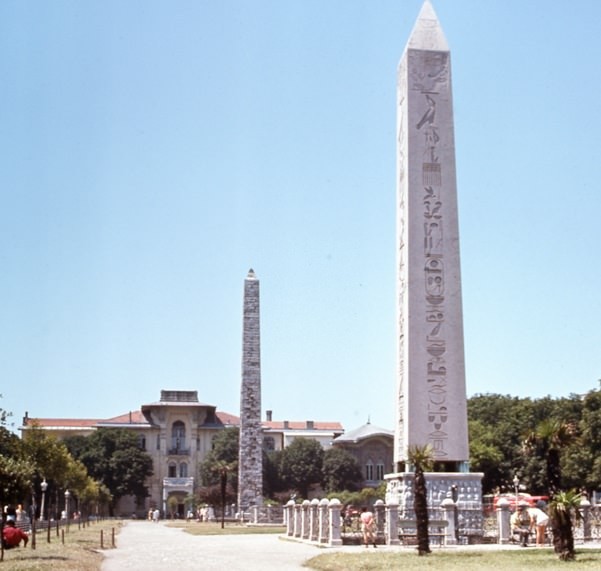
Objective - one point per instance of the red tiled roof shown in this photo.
(227, 418)
(302, 425)
(60, 422)
(133, 417)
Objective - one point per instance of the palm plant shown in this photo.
(422, 460)
(562, 508)
(547, 440)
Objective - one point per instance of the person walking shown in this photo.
(367, 527)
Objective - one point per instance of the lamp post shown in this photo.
(44, 487)
(67, 496)
(32, 511)
(516, 485)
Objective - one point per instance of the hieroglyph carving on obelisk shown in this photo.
(250, 461)
(431, 392)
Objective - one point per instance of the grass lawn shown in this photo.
(81, 551)
(515, 560)
(214, 528)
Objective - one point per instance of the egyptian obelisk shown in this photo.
(431, 406)
(250, 461)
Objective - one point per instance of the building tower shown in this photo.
(432, 407)
(250, 461)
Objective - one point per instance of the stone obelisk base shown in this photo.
(463, 489)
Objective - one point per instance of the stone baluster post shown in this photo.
(448, 507)
(323, 533)
(380, 517)
(503, 517)
(335, 508)
(306, 531)
(298, 529)
(392, 524)
(585, 512)
(313, 519)
(289, 516)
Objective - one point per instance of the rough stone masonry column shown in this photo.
(250, 464)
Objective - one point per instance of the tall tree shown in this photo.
(547, 441)
(301, 465)
(113, 457)
(340, 471)
(16, 473)
(422, 460)
(224, 454)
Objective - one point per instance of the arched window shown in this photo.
(172, 470)
(178, 435)
(369, 470)
(380, 470)
(183, 470)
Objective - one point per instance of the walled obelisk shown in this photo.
(431, 406)
(250, 461)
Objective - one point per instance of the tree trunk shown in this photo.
(421, 512)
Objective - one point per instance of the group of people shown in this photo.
(154, 515)
(525, 520)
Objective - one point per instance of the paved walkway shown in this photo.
(147, 546)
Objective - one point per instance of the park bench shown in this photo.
(437, 530)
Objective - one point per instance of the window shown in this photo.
(142, 442)
(183, 470)
(369, 470)
(269, 443)
(158, 441)
(380, 471)
(197, 443)
(172, 471)
(178, 435)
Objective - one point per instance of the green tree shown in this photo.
(16, 476)
(224, 453)
(485, 455)
(16, 473)
(273, 483)
(546, 442)
(301, 465)
(340, 471)
(421, 458)
(113, 457)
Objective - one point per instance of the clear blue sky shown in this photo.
(152, 152)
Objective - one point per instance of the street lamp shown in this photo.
(44, 487)
(67, 496)
(516, 485)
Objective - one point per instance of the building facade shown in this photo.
(373, 448)
(177, 432)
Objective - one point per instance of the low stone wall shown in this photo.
(320, 522)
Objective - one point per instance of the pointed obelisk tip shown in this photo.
(427, 33)
(251, 274)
